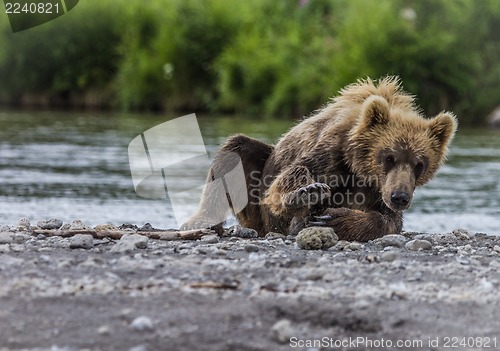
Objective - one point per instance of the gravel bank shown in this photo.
(232, 293)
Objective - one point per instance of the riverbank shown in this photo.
(90, 292)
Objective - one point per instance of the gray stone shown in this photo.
(139, 241)
(316, 238)
(105, 228)
(210, 239)
(6, 238)
(123, 247)
(20, 238)
(390, 256)
(78, 225)
(462, 234)
(142, 323)
(130, 242)
(139, 348)
(416, 245)
(251, 248)
(242, 232)
(24, 222)
(282, 331)
(52, 223)
(81, 241)
(396, 240)
(273, 236)
(354, 246)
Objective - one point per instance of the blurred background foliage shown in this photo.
(277, 58)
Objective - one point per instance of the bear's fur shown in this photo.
(353, 166)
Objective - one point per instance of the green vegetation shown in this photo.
(282, 58)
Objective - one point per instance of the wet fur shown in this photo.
(346, 148)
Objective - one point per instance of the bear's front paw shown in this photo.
(307, 196)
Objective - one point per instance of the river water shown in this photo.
(73, 165)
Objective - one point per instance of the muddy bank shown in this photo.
(418, 291)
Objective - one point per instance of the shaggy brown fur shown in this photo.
(352, 166)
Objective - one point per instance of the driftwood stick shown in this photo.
(117, 234)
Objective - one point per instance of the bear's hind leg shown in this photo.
(212, 211)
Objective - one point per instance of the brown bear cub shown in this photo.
(353, 166)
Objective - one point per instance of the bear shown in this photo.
(352, 166)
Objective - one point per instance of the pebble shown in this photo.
(273, 236)
(81, 241)
(210, 239)
(52, 223)
(105, 228)
(417, 245)
(20, 238)
(130, 242)
(354, 246)
(251, 248)
(316, 238)
(78, 225)
(396, 240)
(242, 232)
(142, 323)
(462, 234)
(6, 237)
(139, 348)
(282, 331)
(24, 222)
(104, 330)
(140, 241)
(462, 260)
(123, 247)
(428, 237)
(390, 256)
(496, 248)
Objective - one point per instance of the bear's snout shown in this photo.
(400, 199)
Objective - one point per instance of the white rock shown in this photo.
(282, 331)
(139, 241)
(52, 223)
(24, 222)
(396, 240)
(6, 237)
(316, 238)
(78, 225)
(417, 245)
(81, 241)
(142, 323)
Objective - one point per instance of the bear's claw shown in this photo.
(308, 195)
(320, 221)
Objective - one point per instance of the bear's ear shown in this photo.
(443, 128)
(375, 111)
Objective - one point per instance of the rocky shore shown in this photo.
(71, 287)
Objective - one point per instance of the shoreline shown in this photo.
(232, 293)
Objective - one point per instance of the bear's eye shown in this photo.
(389, 160)
(419, 169)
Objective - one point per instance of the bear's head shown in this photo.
(395, 149)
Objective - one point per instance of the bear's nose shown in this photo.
(400, 198)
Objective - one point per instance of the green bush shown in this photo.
(73, 54)
(280, 58)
